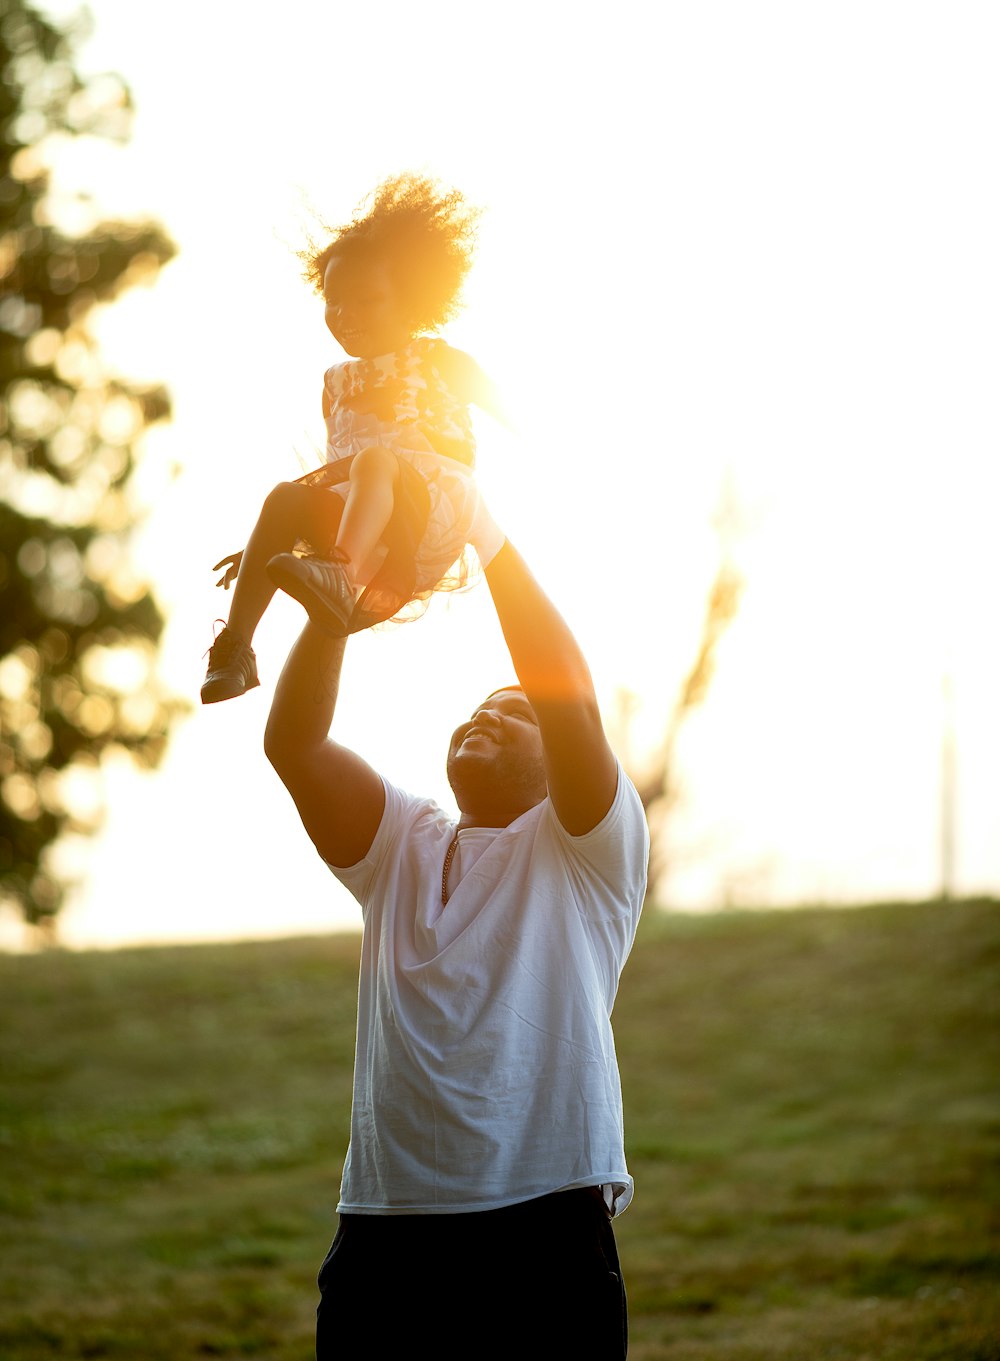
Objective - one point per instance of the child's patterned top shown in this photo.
(406, 389)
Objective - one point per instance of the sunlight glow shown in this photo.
(763, 258)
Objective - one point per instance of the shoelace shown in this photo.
(226, 645)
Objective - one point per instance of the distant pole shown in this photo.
(947, 788)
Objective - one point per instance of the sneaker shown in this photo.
(320, 586)
(232, 668)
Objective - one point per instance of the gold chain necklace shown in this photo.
(448, 858)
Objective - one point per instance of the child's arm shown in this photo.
(471, 384)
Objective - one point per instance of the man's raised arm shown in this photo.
(339, 797)
(580, 767)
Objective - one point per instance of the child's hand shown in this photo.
(229, 576)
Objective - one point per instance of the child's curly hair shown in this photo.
(424, 234)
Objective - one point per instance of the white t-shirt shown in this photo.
(485, 1071)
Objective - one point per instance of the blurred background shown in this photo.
(738, 281)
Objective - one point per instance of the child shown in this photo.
(392, 510)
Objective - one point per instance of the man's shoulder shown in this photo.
(625, 817)
(616, 850)
(410, 815)
(409, 829)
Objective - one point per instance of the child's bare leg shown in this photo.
(370, 501)
(291, 512)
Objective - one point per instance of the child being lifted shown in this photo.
(389, 514)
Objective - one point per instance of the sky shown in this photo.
(730, 254)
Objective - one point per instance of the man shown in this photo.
(486, 1156)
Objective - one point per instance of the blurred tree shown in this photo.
(656, 778)
(78, 631)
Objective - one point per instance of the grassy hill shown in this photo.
(813, 1120)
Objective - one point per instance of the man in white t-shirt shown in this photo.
(486, 1157)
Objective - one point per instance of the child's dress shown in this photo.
(402, 402)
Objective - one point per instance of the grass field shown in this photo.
(813, 1120)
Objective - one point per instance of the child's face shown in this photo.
(363, 312)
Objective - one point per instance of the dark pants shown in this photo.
(539, 1281)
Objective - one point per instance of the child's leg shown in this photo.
(291, 512)
(369, 506)
(328, 590)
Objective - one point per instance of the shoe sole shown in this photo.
(213, 692)
(284, 575)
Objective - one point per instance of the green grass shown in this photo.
(813, 1117)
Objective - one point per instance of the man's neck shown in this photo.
(493, 816)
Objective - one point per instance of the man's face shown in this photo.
(496, 756)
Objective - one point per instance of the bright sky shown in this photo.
(724, 244)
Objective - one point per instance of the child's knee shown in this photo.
(279, 497)
(375, 465)
(289, 505)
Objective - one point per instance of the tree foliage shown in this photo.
(78, 631)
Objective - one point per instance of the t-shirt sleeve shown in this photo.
(400, 813)
(614, 855)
